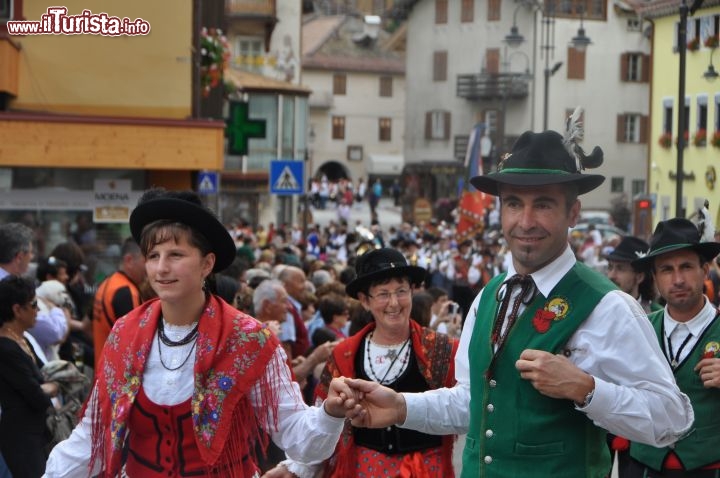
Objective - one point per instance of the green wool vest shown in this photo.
(701, 447)
(514, 430)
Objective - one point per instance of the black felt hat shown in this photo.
(629, 249)
(380, 264)
(673, 235)
(184, 207)
(540, 159)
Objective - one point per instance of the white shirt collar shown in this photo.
(696, 325)
(547, 278)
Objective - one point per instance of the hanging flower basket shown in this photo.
(214, 57)
(665, 140)
(715, 140)
(712, 41)
(693, 44)
(700, 138)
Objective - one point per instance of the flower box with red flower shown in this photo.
(665, 140)
(712, 41)
(700, 138)
(693, 44)
(715, 140)
(214, 57)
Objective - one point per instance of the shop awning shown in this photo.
(385, 164)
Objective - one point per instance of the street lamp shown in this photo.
(711, 74)
(547, 47)
(308, 179)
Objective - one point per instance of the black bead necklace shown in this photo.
(183, 362)
(171, 343)
(400, 352)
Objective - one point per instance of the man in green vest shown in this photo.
(551, 353)
(688, 330)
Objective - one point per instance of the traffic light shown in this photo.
(642, 217)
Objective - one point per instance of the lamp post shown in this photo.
(547, 47)
(308, 179)
(682, 53)
(711, 74)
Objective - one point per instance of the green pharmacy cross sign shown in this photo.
(240, 128)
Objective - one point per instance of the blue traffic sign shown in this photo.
(208, 182)
(287, 177)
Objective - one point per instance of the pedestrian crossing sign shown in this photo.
(286, 177)
(207, 182)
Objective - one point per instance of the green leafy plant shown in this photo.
(712, 41)
(665, 140)
(693, 44)
(715, 140)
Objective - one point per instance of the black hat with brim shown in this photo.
(379, 264)
(629, 249)
(184, 207)
(676, 234)
(542, 159)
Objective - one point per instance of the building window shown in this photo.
(667, 116)
(638, 187)
(338, 127)
(385, 129)
(717, 112)
(5, 10)
(709, 27)
(339, 84)
(576, 64)
(437, 125)
(249, 54)
(386, 86)
(632, 128)
(492, 60)
(493, 13)
(440, 60)
(634, 67)
(492, 119)
(441, 12)
(617, 184)
(702, 112)
(467, 11)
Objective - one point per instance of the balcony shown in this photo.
(490, 86)
(321, 100)
(251, 8)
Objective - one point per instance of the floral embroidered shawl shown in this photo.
(232, 353)
(435, 354)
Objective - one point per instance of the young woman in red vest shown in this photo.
(188, 385)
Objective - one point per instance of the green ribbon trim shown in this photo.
(534, 171)
(671, 247)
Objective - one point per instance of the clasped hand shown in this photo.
(365, 404)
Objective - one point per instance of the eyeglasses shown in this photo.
(33, 304)
(384, 297)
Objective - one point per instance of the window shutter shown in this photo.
(620, 133)
(428, 125)
(446, 134)
(576, 64)
(645, 72)
(624, 60)
(492, 60)
(644, 129)
(440, 65)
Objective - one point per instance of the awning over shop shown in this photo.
(385, 164)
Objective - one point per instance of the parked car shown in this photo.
(579, 232)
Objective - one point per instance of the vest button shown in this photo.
(390, 447)
(389, 429)
(671, 446)
(493, 383)
(489, 433)
(490, 407)
(488, 460)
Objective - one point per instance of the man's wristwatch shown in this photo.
(588, 399)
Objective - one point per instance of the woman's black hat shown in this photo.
(184, 207)
(540, 159)
(675, 234)
(381, 264)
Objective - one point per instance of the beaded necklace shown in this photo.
(162, 338)
(404, 352)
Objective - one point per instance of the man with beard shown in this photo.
(630, 278)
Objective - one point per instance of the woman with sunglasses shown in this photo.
(187, 384)
(24, 397)
(396, 351)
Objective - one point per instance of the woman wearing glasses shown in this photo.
(24, 397)
(397, 352)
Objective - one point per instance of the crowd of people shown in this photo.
(361, 352)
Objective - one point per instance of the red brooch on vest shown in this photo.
(711, 350)
(554, 309)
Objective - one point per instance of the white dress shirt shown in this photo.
(677, 334)
(307, 434)
(635, 392)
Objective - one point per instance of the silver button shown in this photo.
(489, 433)
(390, 447)
(389, 429)
(488, 460)
(493, 383)
(671, 446)
(490, 407)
